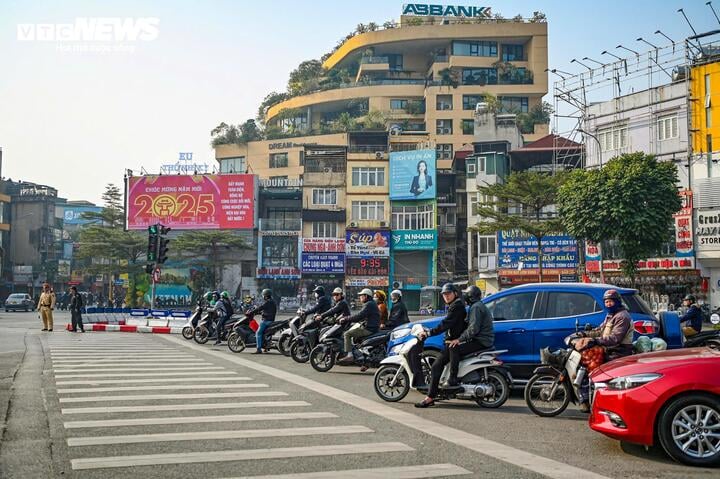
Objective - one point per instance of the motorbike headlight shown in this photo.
(629, 382)
(399, 333)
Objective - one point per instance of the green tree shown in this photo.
(305, 78)
(271, 99)
(632, 200)
(539, 114)
(344, 122)
(374, 119)
(531, 194)
(449, 77)
(225, 134)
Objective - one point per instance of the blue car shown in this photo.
(534, 316)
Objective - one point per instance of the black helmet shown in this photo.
(319, 290)
(449, 288)
(266, 293)
(611, 294)
(472, 294)
(689, 297)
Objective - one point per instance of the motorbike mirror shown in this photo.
(588, 327)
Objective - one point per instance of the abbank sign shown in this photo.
(445, 10)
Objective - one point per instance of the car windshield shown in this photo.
(635, 304)
(17, 296)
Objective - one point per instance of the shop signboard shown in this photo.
(518, 250)
(367, 243)
(63, 269)
(409, 240)
(413, 175)
(22, 274)
(684, 244)
(74, 215)
(278, 272)
(191, 201)
(650, 264)
(323, 263)
(323, 245)
(367, 281)
(708, 230)
(367, 266)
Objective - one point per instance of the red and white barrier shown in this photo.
(127, 328)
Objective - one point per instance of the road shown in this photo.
(115, 405)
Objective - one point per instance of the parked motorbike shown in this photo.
(289, 333)
(305, 341)
(188, 331)
(481, 376)
(368, 353)
(243, 336)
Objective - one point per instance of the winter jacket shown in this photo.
(479, 326)
(268, 310)
(76, 303)
(370, 314)
(454, 323)
(398, 315)
(322, 305)
(383, 313)
(340, 309)
(615, 333)
(694, 317)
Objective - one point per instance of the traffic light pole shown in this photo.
(156, 255)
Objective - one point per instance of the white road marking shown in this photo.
(212, 371)
(129, 365)
(399, 472)
(110, 347)
(163, 387)
(174, 367)
(79, 356)
(280, 416)
(244, 455)
(199, 379)
(182, 407)
(511, 455)
(205, 435)
(154, 397)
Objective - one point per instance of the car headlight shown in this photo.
(635, 380)
(399, 333)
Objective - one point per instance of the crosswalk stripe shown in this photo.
(111, 348)
(130, 365)
(198, 419)
(184, 407)
(157, 397)
(205, 435)
(212, 371)
(69, 357)
(176, 367)
(161, 387)
(242, 455)
(399, 472)
(229, 375)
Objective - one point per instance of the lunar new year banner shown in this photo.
(191, 202)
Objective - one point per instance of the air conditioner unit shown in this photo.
(383, 224)
(395, 131)
(353, 225)
(397, 285)
(379, 155)
(444, 131)
(481, 107)
(327, 170)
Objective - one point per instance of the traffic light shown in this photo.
(163, 243)
(152, 248)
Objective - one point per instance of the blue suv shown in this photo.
(534, 316)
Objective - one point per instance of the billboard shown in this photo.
(407, 240)
(413, 175)
(323, 245)
(191, 202)
(364, 243)
(517, 250)
(73, 215)
(323, 263)
(278, 272)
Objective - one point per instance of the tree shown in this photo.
(344, 122)
(538, 115)
(249, 131)
(374, 119)
(305, 78)
(271, 99)
(113, 213)
(225, 134)
(449, 77)
(531, 193)
(631, 200)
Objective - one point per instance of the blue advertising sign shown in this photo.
(414, 240)
(330, 263)
(413, 175)
(74, 214)
(518, 250)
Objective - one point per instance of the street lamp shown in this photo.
(586, 133)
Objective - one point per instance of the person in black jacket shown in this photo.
(369, 314)
(398, 313)
(692, 318)
(268, 310)
(76, 305)
(453, 325)
(322, 305)
(341, 308)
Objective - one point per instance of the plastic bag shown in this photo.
(658, 344)
(643, 344)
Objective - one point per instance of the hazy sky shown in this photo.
(76, 120)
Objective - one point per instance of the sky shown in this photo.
(76, 120)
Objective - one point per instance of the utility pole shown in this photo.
(156, 255)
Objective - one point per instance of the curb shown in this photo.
(124, 328)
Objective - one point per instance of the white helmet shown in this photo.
(338, 291)
(366, 291)
(396, 292)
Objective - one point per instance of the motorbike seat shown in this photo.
(377, 335)
(483, 351)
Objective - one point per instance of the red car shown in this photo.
(671, 397)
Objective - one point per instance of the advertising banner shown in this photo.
(323, 245)
(367, 266)
(413, 175)
(278, 272)
(650, 264)
(22, 274)
(414, 240)
(191, 202)
(73, 215)
(369, 281)
(367, 243)
(708, 230)
(517, 250)
(684, 244)
(333, 263)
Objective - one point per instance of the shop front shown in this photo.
(414, 263)
(322, 264)
(708, 253)
(518, 259)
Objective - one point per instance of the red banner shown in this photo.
(191, 202)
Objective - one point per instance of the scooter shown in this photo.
(482, 377)
(188, 331)
(368, 353)
(243, 336)
(207, 327)
(306, 339)
(288, 334)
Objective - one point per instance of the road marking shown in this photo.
(178, 367)
(511, 455)
(201, 379)
(130, 365)
(212, 371)
(111, 347)
(163, 387)
(244, 455)
(183, 407)
(280, 416)
(82, 356)
(148, 397)
(400, 472)
(205, 435)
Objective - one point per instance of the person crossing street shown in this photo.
(76, 305)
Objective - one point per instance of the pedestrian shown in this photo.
(46, 305)
(76, 304)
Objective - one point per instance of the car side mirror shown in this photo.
(588, 327)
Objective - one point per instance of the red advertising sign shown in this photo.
(191, 202)
(323, 245)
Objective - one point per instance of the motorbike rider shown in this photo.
(453, 324)
(398, 312)
(322, 305)
(369, 314)
(380, 298)
(223, 314)
(268, 310)
(692, 318)
(340, 308)
(615, 334)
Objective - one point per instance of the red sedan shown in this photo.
(671, 397)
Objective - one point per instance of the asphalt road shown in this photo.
(137, 405)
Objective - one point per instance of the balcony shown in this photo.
(280, 224)
(449, 230)
(367, 148)
(374, 60)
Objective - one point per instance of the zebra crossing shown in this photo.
(132, 407)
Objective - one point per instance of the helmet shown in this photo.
(208, 296)
(367, 291)
(266, 293)
(338, 291)
(225, 295)
(381, 294)
(472, 294)
(449, 288)
(319, 290)
(216, 294)
(689, 297)
(396, 292)
(611, 294)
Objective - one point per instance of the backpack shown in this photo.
(229, 308)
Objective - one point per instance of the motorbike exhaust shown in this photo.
(579, 377)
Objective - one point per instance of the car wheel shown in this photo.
(689, 430)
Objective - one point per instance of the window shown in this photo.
(468, 127)
(368, 211)
(443, 102)
(366, 176)
(479, 76)
(324, 196)
(513, 104)
(667, 127)
(471, 101)
(324, 230)
(420, 217)
(486, 245)
(291, 125)
(233, 165)
(396, 104)
(278, 160)
(475, 49)
(512, 53)
(709, 146)
(473, 204)
(562, 305)
(512, 307)
(708, 115)
(444, 151)
(613, 138)
(471, 168)
(443, 127)
(279, 251)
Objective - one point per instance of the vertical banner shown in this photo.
(413, 175)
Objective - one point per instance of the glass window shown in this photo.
(396, 104)
(444, 151)
(479, 76)
(471, 168)
(561, 305)
(613, 138)
(368, 211)
(486, 244)
(233, 165)
(512, 307)
(443, 102)
(368, 176)
(419, 217)
(324, 196)
(471, 101)
(278, 160)
(667, 127)
(512, 53)
(324, 230)
(468, 127)
(443, 127)
(475, 49)
(279, 251)
(514, 104)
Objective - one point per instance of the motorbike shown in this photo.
(289, 333)
(243, 336)
(206, 327)
(305, 341)
(482, 377)
(368, 353)
(188, 331)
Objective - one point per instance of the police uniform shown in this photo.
(46, 306)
